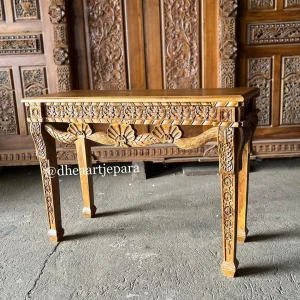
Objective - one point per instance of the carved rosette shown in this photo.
(181, 26)
(57, 14)
(105, 23)
(227, 43)
(259, 74)
(290, 85)
(8, 123)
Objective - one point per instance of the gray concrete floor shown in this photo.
(154, 239)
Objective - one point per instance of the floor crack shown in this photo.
(28, 295)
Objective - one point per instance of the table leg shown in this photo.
(46, 153)
(228, 155)
(84, 157)
(243, 194)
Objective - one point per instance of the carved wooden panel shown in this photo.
(261, 4)
(8, 123)
(227, 43)
(34, 81)
(20, 44)
(273, 33)
(26, 9)
(2, 18)
(290, 90)
(259, 74)
(106, 37)
(292, 4)
(181, 21)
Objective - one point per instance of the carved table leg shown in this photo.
(46, 153)
(84, 157)
(243, 194)
(228, 153)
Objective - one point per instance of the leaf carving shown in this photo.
(64, 137)
(145, 140)
(102, 138)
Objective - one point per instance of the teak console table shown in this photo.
(231, 112)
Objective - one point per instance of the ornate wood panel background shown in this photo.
(269, 56)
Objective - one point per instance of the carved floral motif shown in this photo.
(26, 9)
(261, 4)
(273, 33)
(34, 81)
(36, 133)
(8, 124)
(260, 75)
(292, 3)
(226, 146)
(181, 22)
(291, 90)
(106, 44)
(20, 44)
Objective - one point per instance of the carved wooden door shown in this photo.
(269, 58)
(33, 61)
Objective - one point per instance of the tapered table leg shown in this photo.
(46, 153)
(84, 157)
(243, 194)
(228, 154)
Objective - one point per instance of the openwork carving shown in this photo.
(20, 44)
(260, 75)
(227, 43)
(273, 33)
(105, 24)
(8, 124)
(262, 4)
(26, 9)
(181, 25)
(290, 83)
(57, 14)
(34, 81)
(123, 135)
(291, 3)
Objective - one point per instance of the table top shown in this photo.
(188, 95)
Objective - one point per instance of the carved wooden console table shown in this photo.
(231, 112)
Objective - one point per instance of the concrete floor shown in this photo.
(155, 239)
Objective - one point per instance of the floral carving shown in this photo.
(181, 43)
(26, 9)
(226, 147)
(260, 75)
(20, 44)
(8, 124)
(106, 44)
(57, 13)
(261, 4)
(292, 3)
(61, 55)
(36, 133)
(34, 81)
(167, 133)
(273, 33)
(291, 90)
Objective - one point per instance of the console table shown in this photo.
(230, 112)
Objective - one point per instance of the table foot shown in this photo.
(55, 235)
(242, 235)
(229, 268)
(89, 212)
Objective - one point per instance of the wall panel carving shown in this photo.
(290, 93)
(259, 74)
(273, 33)
(106, 35)
(57, 14)
(26, 9)
(20, 44)
(8, 123)
(261, 4)
(292, 4)
(181, 21)
(227, 43)
(33, 81)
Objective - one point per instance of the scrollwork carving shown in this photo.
(38, 139)
(8, 124)
(106, 44)
(262, 4)
(290, 83)
(181, 20)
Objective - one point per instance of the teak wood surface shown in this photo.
(230, 113)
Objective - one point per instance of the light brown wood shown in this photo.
(84, 158)
(233, 126)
